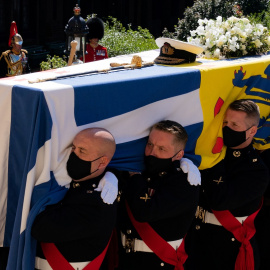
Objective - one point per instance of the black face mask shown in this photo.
(78, 168)
(154, 165)
(232, 138)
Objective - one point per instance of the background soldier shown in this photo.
(95, 51)
(14, 62)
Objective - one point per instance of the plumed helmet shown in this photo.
(17, 39)
(96, 28)
(13, 31)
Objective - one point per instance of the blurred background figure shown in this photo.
(14, 61)
(94, 51)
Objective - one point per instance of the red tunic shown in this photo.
(98, 53)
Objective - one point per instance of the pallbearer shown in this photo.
(159, 204)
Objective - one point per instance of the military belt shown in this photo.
(208, 217)
(134, 244)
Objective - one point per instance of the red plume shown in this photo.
(13, 31)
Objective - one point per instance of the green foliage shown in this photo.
(119, 41)
(201, 9)
(252, 6)
(53, 62)
(262, 17)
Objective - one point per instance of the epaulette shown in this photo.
(25, 51)
(6, 52)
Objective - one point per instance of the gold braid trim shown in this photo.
(165, 60)
(18, 65)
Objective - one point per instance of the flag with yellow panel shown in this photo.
(222, 82)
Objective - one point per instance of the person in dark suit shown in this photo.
(223, 234)
(158, 205)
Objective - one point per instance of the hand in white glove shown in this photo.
(194, 175)
(108, 186)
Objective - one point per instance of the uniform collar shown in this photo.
(238, 153)
(175, 167)
(91, 183)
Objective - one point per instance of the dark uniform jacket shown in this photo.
(80, 225)
(262, 221)
(237, 184)
(169, 212)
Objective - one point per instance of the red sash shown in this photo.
(243, 233)
(158, 245)
(58, 262)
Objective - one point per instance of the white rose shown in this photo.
(209, 43)
(243, 36)
(200, 22)
(222, 39)
(227, 25)
(268, 41)
(208, 54)
(233, 19)
(232, 48)
(248, 29)
(217, 53)
(193, 33)
(243, 47)
(233, 31)
(200, 31)
(243, 40)
(245, 20)
(228, 35)
(219, 19)
(219, 43)
(257, 43)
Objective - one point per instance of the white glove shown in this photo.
(194, 175)
(108, 186)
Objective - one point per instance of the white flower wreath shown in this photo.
(234, 37)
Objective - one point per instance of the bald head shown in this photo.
(101, 139)
(96, 145)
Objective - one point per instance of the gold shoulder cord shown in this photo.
(13, 68)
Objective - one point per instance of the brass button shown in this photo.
(233, 239)
(148, 179)
(94, 185)
(128, 231)
(162, 264)
(236, 153)
(75, 185)
(161, 174)
(197, 227)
